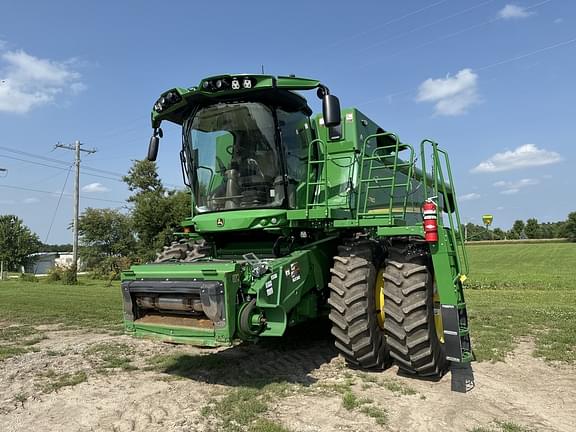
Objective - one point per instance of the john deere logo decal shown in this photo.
(220, 222)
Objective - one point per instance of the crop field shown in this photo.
(65, 364)
(523, 290)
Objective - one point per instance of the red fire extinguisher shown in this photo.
(430, 221)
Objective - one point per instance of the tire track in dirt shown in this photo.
(525, 390)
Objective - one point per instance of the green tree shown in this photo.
(569, 227)
(532, 229)
(106, 233)
(551, 229)
(17, 242)
(66, 247)
(477, 232)
(498, 234)
(143, 177)
(512, 235)
(517, 229)
(157, 212)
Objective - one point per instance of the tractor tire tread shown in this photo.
(357, 335)
(409, 324)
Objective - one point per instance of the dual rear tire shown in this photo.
(382, 312)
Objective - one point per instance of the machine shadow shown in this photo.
(289, 359)
(461, 377)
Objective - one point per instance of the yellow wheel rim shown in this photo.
(438, 316)
(379, 298)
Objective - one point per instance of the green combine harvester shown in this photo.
(296, 217)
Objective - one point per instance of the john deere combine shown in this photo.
(295, 217)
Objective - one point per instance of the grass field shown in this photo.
(89, 304)
(515, 290)
(520, 290)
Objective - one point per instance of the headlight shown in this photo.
(166, 100)
(226, 83)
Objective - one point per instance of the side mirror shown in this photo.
(331, 110)
(153, 148)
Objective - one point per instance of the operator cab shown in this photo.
(245, 139)
(245, 154)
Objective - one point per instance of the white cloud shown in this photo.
(29, 82)
(511, 11)
(452, 95)
(510, 191)
(558, 20)
(512, 187)
(95, 188)
(469, 197)
(31, 200)
(525, 156)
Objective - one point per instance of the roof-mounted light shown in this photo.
(225, 83)
(166, 100)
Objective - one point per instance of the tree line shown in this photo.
(520, 230)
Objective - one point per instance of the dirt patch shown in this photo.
(78, 381)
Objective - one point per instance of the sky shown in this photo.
(491, 81)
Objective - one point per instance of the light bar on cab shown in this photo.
(228, 83)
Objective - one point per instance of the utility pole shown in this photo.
(2, 170)
(77, 149)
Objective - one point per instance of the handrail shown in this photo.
(453, 213)
(361, 209)
(321, 175)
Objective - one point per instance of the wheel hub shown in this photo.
(379, 298)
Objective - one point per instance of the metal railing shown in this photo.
(384, 158)
(448, 191)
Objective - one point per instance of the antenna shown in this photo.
(262, 66)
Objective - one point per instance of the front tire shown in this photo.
(184, 250)
(353, 313)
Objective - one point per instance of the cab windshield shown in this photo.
(236, 163)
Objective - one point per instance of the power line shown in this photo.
(43, 180)
(62, 168)
(65, 194)
(489, 66)
(57, 205)
(391, 21)
(59, 161)
(21, 152)
(422, 27)
(447, 36)
(119, 176)
(521, 56)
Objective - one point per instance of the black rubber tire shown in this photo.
(187, 251)
(409, 318)
(359, 338)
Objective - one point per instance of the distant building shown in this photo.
(43, 262)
